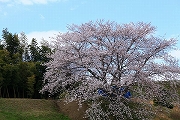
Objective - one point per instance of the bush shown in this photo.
(164, 103)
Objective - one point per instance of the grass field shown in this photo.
(29, 109)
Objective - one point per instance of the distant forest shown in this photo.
(21, 65)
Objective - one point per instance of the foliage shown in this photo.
(164, 98)
(21, 70)
(12, 42)
(30, 85)
(100, 55)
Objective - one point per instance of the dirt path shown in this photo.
(71, 110)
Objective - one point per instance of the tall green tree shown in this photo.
(30, 85)
(21, 69)
(34, 51)
(4, 60)
(24, 46)
(26, 70)
(1, 45)
(45, 51)
(12, 42)
(1, 80)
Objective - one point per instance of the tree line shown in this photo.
(21, 69)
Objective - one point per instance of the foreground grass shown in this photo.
(29, 109)
(40, 109)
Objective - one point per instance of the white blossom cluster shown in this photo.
(100, 55)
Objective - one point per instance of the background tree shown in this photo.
(24, 46)
(34, 51)
(21, 70)
(30, 85)
(106, 57)
(12, 43)
(26, 70)
(45, 51)
(5, 61)
(1, 45)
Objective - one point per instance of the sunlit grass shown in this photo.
(29, 109)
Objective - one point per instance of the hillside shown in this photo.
(29, 109)
(40, 109)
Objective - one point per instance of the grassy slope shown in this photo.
(40, 109)
(29, 109)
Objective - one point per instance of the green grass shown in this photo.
(29, 109)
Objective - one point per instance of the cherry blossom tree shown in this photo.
(100, 62)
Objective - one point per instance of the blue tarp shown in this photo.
(122, 89)
(102, 92)
(127, 94)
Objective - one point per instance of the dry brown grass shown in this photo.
(168, 114)
(72, 110)
(175, 114)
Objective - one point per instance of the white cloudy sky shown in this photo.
(45, 18)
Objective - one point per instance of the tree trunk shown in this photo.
(14, 92)
(4, 92)
(7, 92)
(23, 93)
(0, 92)
(17, 92)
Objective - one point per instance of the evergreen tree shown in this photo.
(21, 69)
